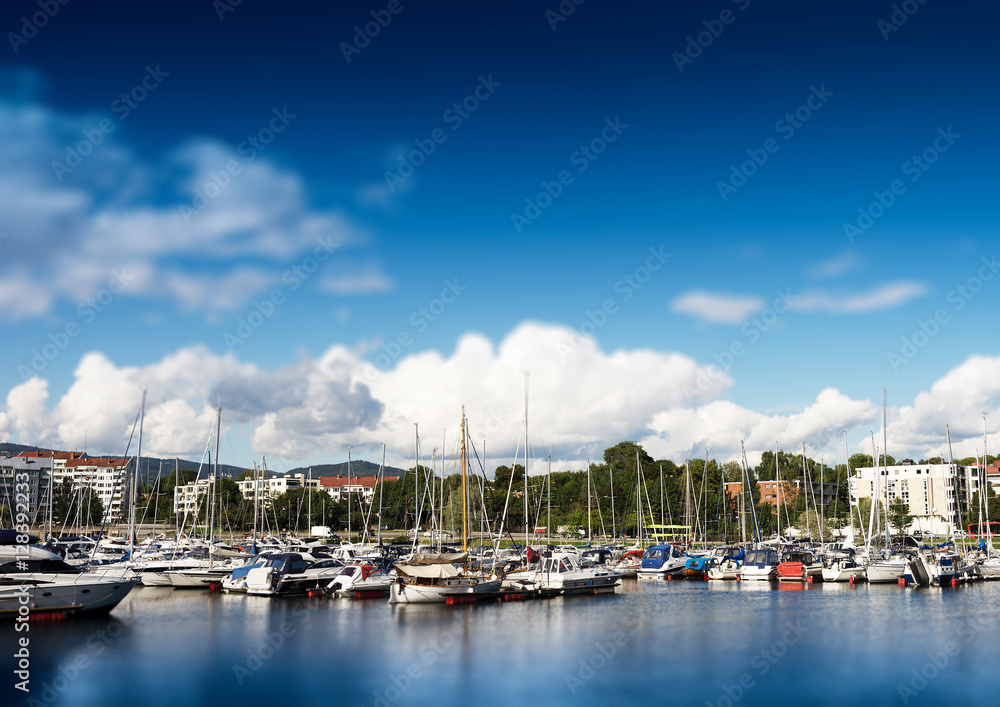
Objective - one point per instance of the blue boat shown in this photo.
(662, 560)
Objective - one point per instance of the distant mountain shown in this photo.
(358, 468)
(150, 466)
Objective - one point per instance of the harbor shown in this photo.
(679, 642)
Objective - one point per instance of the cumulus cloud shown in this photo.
(70, 230)
(716, 307)
(582, 400)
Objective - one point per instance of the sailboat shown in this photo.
(433, 577)
(892, 566)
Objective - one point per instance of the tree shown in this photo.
(501, 478)
(899, 515)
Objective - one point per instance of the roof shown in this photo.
(107, 462)
(49, 455)
(338, 481)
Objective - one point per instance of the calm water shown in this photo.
(693, 643)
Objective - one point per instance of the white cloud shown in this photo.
(364, 282)
(884, 297)
(69, 232)
(836, 266)
(582, 400)
(716, 307)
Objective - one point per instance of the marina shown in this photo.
(708, 641)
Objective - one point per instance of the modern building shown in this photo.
(340, 487)
(105, 476)
(271, 486)
(937, 494)
(35, 473)
(187, 497)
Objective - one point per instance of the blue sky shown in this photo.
(737, 137)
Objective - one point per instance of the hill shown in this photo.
(358, 468)
(151, 466)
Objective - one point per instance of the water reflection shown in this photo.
(707, 640)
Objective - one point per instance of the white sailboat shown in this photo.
(431, 578)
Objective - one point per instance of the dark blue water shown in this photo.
(719, 643)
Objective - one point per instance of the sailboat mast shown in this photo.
(548, 517)
(135, 478)
(611, 471)
(805, 492)
(885, 465)
(215, 476)
(661, 498)
(777, 486)
(588, 503)
(381, 483)
(525, 462)
(348, 494)
(465, 518)
(638, 499)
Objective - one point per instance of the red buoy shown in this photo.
(902, 582)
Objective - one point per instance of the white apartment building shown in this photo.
(937, 493)
(275, 485)
(105, 476)
(186, 497)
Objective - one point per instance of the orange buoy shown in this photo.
(902, 582)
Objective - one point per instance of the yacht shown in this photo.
(561, 572)
(761, 564)
(292, 573)
(45, 583)
(660, 561)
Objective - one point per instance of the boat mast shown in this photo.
(135, 478)
(348, 494)
(638, 499)
(548, 518)
(984, 502)
(215, 477)
(885, 465)
(381, 483)
(525, 462)
(588, 503)
(465, 519)
(611, 471)
(777, 486)
(687, 499)
(661, 499)
(805, 492)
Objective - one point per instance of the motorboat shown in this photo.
(561, 572)
(799, 565)
(660, 561)
(41, 580)
(288, 573)
(361, 581)
(728, 567)
(760, 564)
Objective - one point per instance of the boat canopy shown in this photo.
(437, 558)
(428, 571)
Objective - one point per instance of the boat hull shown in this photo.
(438, 593)
(84, 595)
